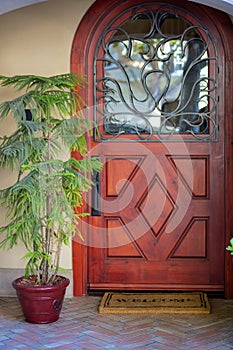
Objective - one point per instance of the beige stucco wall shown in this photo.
(36, 40)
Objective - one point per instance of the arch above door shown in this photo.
(83, 54)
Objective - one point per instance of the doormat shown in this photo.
(154, 303)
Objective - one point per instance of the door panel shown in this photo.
(160, 212)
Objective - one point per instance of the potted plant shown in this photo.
(230, 247)
(42, 204)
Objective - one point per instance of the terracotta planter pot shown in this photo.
(41, 304)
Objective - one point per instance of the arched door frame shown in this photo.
(82, 54)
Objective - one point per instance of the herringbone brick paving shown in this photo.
(81, 327)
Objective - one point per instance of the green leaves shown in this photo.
(43, 84)
(230, 247)
(34, 259)
(41, 204)
(72, 133)
(44, 96)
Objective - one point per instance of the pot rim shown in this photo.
(63, 284)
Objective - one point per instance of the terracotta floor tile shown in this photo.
(80, 326)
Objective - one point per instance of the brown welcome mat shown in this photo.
(154, 303)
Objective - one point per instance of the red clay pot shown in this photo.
(41, 304)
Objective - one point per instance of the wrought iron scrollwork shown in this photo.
(159, 80)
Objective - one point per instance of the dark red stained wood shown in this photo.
(192, 255)
(194, 242)
(148, 255)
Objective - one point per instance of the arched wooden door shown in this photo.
(156, 75)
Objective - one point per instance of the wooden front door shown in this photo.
(157, 210)
(161, 207)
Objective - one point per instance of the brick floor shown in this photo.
(81, 327)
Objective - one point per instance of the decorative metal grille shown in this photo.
(156, 77)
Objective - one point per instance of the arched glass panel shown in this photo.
(156, 77)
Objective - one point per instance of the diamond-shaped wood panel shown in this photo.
(156, 205)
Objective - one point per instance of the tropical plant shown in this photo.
(42, 204)
(230, 247)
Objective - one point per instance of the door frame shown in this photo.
(219, 24)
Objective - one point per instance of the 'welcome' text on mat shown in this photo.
(154, 303)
